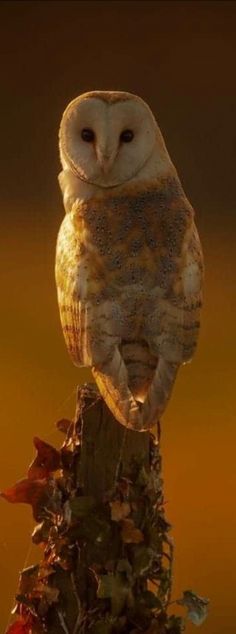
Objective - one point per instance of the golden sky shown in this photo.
(180, 57)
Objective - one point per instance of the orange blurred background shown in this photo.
(180, 57)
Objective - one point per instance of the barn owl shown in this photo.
(129, 264)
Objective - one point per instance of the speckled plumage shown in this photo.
(129, 278)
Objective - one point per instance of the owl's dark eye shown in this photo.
(126, 136)
(87, 135)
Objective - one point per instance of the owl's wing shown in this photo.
(90, 325)
(68, 277)
(192, 272)
(87, 324)
(180, 326)
(90, 330)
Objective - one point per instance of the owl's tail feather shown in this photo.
(159, 392)
(112, 382)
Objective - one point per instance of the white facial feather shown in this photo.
(107, 161)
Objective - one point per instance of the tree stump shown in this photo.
(107, 555)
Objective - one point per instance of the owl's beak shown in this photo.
(105, 161)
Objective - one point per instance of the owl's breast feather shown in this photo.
(131, 241)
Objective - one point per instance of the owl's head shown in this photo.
(108, 138)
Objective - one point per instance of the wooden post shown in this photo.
(107, 564)
(106, 446)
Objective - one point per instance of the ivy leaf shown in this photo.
(20, 627)
(119, 510)
(33, 492)
(24, 491)
(175, 625)
(125, 567)
(31, 585)
(47, 460)
(101, 627)
(143, 477)
(115, 588)
(28, 578)
(197, 607)
(25, 625)
(142, 561)
(106, 586)
(164, 578)
(151, 600)
(130, 534)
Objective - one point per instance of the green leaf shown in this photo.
(155, 539)
(124, 566)
(82, 505)
(165, 580)
(106, 586)
(175, 625)
(115, 588)
(28, 579)
(143, 557)
(151, 600)
(143, 477)
(197, 607)
(101, 627)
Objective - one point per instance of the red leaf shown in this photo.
(34, 492)
(130, 534)
(20, 627)
(47, 460)
(119, 510)
(25, 625)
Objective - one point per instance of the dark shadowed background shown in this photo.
(180, 57)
